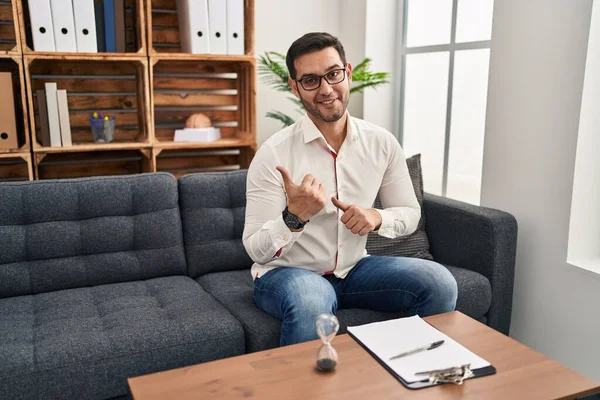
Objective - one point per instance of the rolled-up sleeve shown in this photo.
(266, 237)
(401, 211)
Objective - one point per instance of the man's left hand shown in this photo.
(358, 220)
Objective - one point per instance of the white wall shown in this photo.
(382, 38)
(584, 233)
(535, 89)
(352, 36)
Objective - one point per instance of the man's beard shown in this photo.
(314, 110)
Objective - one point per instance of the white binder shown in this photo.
(85, 26)
(193, 26)
(217, 21)
(199, 28)
(63, 117)
(64, 25)
(44, 135)
(40, 17)
(235, 26)
(53, 118)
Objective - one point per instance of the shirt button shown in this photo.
(285, 238)
(342, 246)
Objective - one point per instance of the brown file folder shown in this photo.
(8, 121)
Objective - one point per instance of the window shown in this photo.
(444, 61)
(584, 234)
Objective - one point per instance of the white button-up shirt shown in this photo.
(370, 161)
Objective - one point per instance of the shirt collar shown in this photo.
(311, 132)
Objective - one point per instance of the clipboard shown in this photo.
(456, 374)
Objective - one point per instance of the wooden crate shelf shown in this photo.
(222, 90)
(224, 58)
(60, 56)
(16, 167)
(116, 86)
(222, 143)
(180, 162)
(151, 89)
(14, 65)
(135, 31)
(80, 148)
(76, 165)
(163, 27)
(10, 42)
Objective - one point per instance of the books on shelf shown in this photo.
(119, 15)
(52, 107)
(63, 117)
(99, 23)
(55, 126)
(109, 26)
(112, 25)
(91, 26)
(84, 26)
(44, 136)
(211, 26)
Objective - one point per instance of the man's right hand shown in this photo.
(304, 200)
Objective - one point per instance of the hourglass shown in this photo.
(327, 328)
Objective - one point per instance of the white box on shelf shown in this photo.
(197, 135)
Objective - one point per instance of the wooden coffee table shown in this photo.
(289, 373)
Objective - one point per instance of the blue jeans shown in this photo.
(394, 284)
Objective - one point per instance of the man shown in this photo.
(310, 193)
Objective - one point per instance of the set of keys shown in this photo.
(454, 375)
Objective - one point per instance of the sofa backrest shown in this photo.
(61, 234)
(213, 209)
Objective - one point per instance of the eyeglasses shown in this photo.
(313, 82)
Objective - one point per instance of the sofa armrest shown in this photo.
(480, 239)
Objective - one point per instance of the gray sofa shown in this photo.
(112, 277)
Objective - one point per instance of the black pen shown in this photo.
(431, 346)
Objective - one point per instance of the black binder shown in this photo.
(425, 382)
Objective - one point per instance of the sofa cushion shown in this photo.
(213, 207)
(415, 245)
(474, 292)
(235, 290)
(83, 343)
(63, 234)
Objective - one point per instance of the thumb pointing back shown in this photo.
(287, 179)
(340, 204)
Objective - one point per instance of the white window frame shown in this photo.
(452, 48)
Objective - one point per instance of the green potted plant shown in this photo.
(274, 72)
